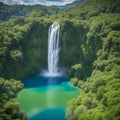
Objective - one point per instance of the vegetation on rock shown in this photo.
(90, 48)
(100, 93)
(10, 110)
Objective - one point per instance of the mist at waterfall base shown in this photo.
(45, 96)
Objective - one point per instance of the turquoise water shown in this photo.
(46, 98)
(50, 114)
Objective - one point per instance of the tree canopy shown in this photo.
(90, 48)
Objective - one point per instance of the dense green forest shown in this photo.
(90, 50)
(12, 11)
(10, 110)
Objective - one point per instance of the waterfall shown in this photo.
(53, 48)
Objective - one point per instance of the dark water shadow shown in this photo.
(40, 81)
(50, 114)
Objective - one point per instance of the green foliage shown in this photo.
(20, 51)
(8, 109)
(74, 81)
(15, 54)
(8, 11)
(77, 82)
(100, 93)
(77, 66)
(90, 38)
(76, 70)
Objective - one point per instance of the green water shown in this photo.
(34, 100)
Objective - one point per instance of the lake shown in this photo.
(45, 98)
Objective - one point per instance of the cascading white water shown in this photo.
(53, 48)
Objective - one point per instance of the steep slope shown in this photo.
(100, 97)
(10, 110)
(73, 4)
(90, 48)
(12, 11)
(23, 47)
(81, 29)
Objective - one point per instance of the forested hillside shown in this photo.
(90, 50)
(21, 49)
(76, 2)
(10, 110)
(100, 99)
(12, 11)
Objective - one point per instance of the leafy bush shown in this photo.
(10, 110)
